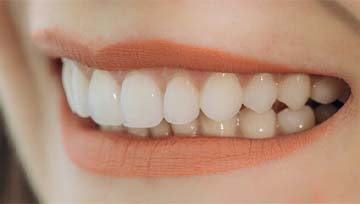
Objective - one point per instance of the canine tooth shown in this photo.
(188, 129)
(67, 73)
(260, 93)
(323, 112)
(210, 127)
(295, 90)
(163, 129)
(104, 99)
(221, 96)
(142, 132)
(141, 101)
(257, 125)
(292, 121)
(181, 101)
(326, 90)
(80, 88)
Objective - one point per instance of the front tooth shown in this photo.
(295, 90)
(80, 87)
(326, 90)
(210, 127)
(221, 96)
(323, 112)
(292, 121)
(104, 99)
(188, 129)
(142, 132)
(141, 101)
(67, 73)
(260, 93)
(257, 125)
(163, 129)
(181, 101)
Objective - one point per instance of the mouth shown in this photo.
(157, 108)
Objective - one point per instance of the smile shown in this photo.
(158, 108)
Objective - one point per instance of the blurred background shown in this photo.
(14, 187)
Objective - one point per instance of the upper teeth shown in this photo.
(147, 106)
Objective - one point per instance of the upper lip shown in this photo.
(109, 154)
(154, 53)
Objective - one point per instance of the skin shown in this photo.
(306, 34)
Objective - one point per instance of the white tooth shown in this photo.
(141, 101)
(292, 121)
(142, 132)
(323, 112)
(67, 72)
(163, 129)
(112, 128)
(188, 129)
(260, 93)
(80, 88)
(295, 90)
(210, 127)
(181, 101)
(104, 99)
(326, 90)
(221, 96)
(257, 125)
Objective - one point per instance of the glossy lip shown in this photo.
(117, 155)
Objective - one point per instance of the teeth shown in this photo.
(80, 88)
(112, 128)
(141, 101)
(326, 90)
(323, 112)
(163, 129)
(210, 127)
(104, 99)
(260, 93)
(221, 96)
(257, 125)
(181, 101)
(190, 129)
(137, 104)
(292, 121)
(67, 73)
(295, 90)
(142, 132)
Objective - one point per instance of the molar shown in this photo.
(326, 90)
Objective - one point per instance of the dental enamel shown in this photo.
(163, 102)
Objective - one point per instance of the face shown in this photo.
(183, 101)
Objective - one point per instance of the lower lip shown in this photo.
(115, 155)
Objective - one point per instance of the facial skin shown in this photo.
(307, 34)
